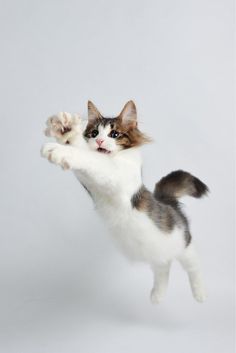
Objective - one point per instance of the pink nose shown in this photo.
(99, 141)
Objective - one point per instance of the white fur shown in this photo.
(112, 179)
(108, 142)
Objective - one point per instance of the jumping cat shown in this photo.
(148, 226)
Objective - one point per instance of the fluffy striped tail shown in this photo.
(177, 184)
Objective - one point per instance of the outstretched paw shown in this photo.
(64, 127)
(59, 154)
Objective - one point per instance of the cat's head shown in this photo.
(109, 135)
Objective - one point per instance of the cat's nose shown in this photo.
(99, 141)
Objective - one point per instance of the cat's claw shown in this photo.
(63, 126)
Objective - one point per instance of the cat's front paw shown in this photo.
(63, 126)
(59, 154)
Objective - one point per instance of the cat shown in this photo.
(148, 226)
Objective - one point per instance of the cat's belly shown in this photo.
(133, 231)
(139, 238)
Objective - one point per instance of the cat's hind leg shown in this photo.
(190, 262)
(161, 278)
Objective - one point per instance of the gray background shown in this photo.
(64, 286)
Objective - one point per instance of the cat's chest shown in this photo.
(111, 190)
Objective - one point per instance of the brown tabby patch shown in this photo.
(165, 216)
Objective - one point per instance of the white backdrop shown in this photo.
(64, 287)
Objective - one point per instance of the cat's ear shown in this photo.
(128, 114)
(93, 113)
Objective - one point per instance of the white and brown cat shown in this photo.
(148, 226)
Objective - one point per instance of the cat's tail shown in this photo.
(177, 184)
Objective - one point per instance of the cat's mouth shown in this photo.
(103, 150)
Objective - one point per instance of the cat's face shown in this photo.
(110, 135)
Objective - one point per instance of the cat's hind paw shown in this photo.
(200, 295)
(156, 297)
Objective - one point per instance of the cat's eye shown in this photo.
(114, 134)
(94, 133)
